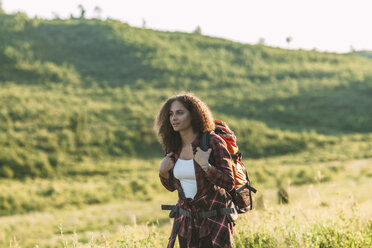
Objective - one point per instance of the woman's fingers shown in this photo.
(170, 154)
(209, 151)
(201, 157)
(169, 161)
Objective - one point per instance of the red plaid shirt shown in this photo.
(210, 195)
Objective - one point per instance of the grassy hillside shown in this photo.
(72, 89)
(329, 207)
(79, 157)
(365, 53)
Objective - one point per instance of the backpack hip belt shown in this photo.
(175, 209)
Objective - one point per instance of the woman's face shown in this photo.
(179, 117)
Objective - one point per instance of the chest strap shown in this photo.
(175, 209)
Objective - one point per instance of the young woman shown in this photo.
(203, 215)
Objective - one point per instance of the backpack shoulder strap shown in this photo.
(204, 143)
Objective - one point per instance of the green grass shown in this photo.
(91, 88)
(79, 156)
(79, 184)
(320, 213)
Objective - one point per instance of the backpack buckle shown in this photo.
(174, 212)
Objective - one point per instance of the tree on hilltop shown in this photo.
(261, 41)
(197, 30)
(82, 11)
(288, 40)
(98, 11)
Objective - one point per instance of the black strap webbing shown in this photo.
(175, 209)
(204, 145)
(246, 186)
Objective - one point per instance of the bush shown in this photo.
(6, 172)
(22, 164)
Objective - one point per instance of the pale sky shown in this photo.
(327, 25)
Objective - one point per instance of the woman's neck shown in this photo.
(187, 136)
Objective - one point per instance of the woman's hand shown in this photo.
(202, 157)
(166, 165)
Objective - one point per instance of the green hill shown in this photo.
(71, 89)
(365, 53)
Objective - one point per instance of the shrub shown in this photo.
(22, 164)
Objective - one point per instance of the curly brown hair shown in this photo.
(201, 120)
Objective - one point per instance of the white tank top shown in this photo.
(185, 172)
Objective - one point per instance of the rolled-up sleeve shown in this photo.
(168, 183)
(221, 173)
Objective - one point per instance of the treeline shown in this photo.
(365, 53)
(71, 89)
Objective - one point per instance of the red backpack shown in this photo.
(242, 192)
